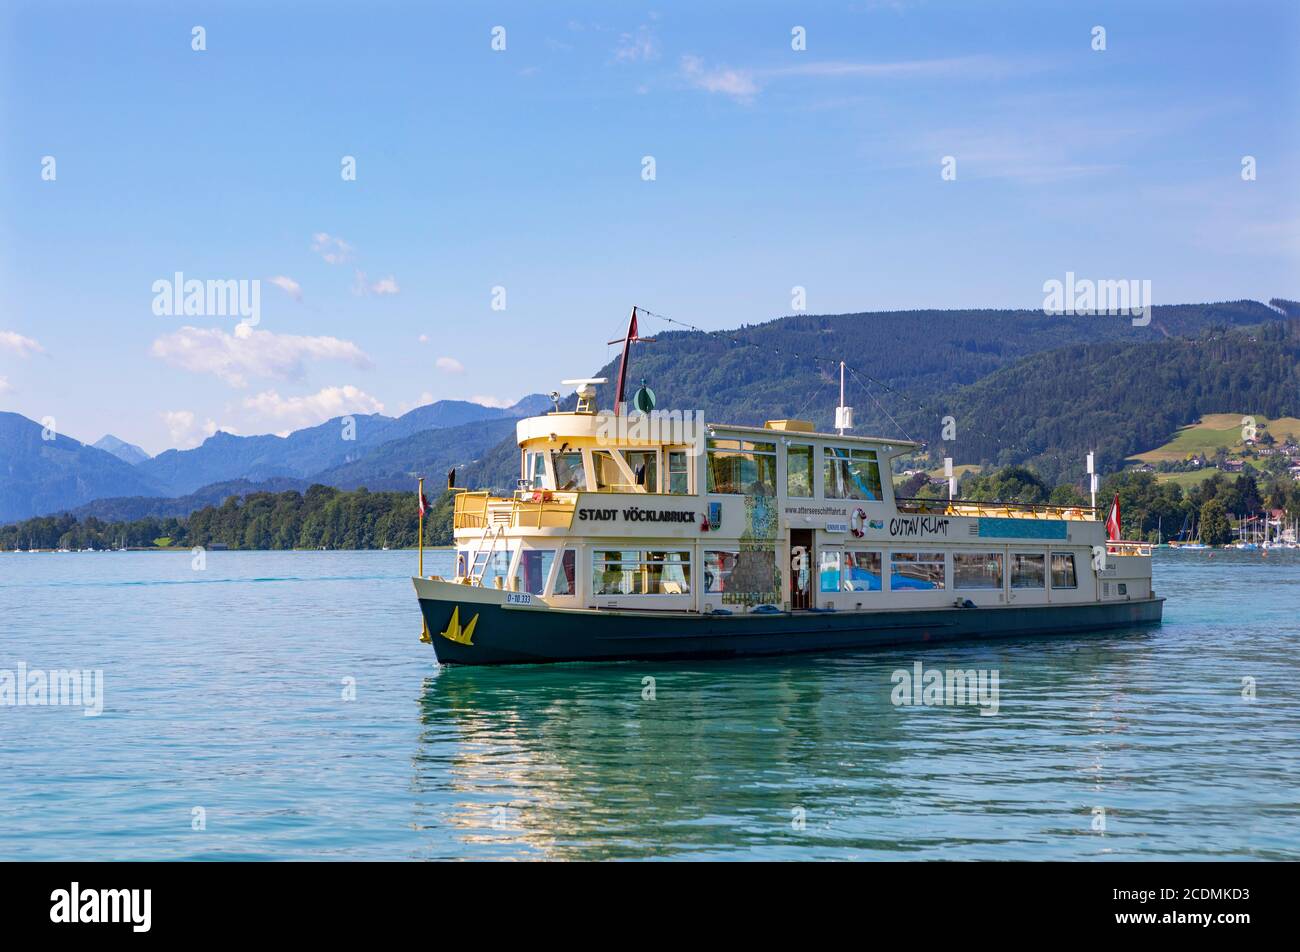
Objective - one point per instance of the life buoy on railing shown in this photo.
(856, 523)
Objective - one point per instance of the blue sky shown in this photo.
(522, 168)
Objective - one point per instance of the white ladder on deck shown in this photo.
(481, 561)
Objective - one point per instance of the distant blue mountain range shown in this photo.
(909, 370)
(126, 452)
(41, 476)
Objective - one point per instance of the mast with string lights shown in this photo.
(626, 341)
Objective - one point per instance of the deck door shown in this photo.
(801, 568)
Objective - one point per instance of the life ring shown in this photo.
(856, 523)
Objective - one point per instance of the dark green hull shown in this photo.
(516, 635)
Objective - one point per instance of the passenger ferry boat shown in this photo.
(638, 534)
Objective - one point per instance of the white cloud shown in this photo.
(362, 286)
(485, 400)
(333, 249)
(744, 84)
(249, 352)
(423, 400)
(298, 412)
(289, 285)
(1065, 142)
(5, 385)
(738, 84)
(953, 66)
(450, 365)
(186, 430)
(641, 46)
(18, 344)
(423, 338)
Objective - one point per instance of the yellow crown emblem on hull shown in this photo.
(457, 634)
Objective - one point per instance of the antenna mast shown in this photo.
(626, 341)
(843, 414)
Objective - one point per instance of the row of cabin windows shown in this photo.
(852, 571)
(637, 572)
(749, 468)
(571, 474)
(743, 467)
(668, 572)
(531, 572)
(621, 571)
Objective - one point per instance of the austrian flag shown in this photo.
(1112, 521)
(424, 504)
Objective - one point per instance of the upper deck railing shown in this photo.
(526, 509)
(1129, 548)
(1005, 510)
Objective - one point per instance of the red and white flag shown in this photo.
(1112, 521)
(424, 504)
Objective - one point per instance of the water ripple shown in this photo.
(226, 690)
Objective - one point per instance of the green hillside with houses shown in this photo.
(1228, 443)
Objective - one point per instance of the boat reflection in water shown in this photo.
(725, 759)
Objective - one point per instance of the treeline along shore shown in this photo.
(319, 518)
(326, 518)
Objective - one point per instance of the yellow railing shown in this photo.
(1005, 510)
(470, 510)
(1129, 548)
(527, 509)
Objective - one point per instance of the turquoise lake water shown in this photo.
(224, 693)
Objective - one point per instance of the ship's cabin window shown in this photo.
(533, 570)
(743, 467)
(862, 571)
(645, 468)
(569, 473)
(1063, 570)
(851, 473)
(977, 570)
(636, 572)
(566, 577)
(799, 470)
(1028, 570)
(828, 570)
(916, 571)
(748, 576)
(678, 473)
(610, 477)
(535, 469)
(718, 566)
(491, 565)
